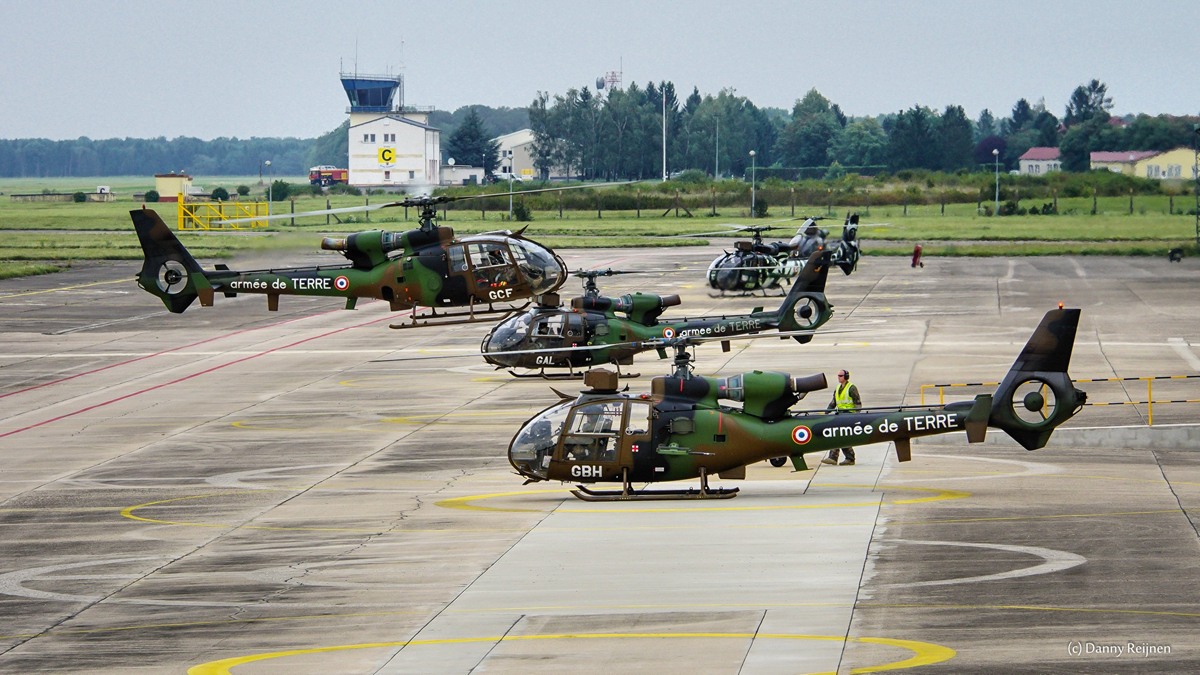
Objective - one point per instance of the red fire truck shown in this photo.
(328, 175)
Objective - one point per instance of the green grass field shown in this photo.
(64, 231)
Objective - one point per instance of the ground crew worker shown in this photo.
(845, 397)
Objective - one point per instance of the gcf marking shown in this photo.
(668, 332)
(801, 435)
(341, 283)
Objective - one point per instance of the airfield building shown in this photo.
(391, 145)
(1177, 163)
(1039, 161)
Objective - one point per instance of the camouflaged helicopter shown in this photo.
(596, 330)
(423, 267)
(681, 430)
(758, 266)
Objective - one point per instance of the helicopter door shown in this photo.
(592, 444)
(492, 273)
(636, 437)
(457, 261)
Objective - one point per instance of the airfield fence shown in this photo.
(213, 216)
(1149, 402)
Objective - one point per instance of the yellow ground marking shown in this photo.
(465, 502)
(67, 288)
(924, 653)
(127, 512)
(999, 518)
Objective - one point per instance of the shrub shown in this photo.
(694, 176)
(344, 189)
(1033, 211)
(316, 190)
(521, 212)
(220, 194)
(760, 208)
(243, 190)
(79, 198)
(151, 195)
(1008, 208)
(280, 190)
(1048, 209)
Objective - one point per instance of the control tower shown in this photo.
(391, 144)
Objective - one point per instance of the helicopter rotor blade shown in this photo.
(424, 200)
(647, 344)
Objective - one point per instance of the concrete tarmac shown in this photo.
(232, 490)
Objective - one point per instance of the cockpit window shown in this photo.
(534, 445)
(510, 333)
(537, 265)
(487, 255)
(593, 433)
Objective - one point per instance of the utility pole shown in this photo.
(753, 183)
(996, 154)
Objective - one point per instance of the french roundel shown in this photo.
(341, 283)
(801, 435)
(668, 332)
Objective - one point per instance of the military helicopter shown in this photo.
(598, 330)
(758, 266)
(681, 430)
(423, 267)
(548, 335)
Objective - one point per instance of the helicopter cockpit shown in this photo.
(600, 434)
(536, 328)
(493, 263)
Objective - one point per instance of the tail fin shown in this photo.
(805, 307)
(168, 271)
(847, 251)
(1037, 395)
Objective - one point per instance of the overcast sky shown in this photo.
(208, 69)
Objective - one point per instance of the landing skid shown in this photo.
(627, 493)
(432, 318)
(651, 495)
(572, 375)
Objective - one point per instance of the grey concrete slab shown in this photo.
(231, 483)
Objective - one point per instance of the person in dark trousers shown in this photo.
(845, 397)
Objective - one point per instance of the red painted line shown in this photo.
(188, 377)
(165, 351)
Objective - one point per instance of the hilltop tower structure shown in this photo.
(391, 144)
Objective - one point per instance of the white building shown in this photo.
(393, 149)
(391, 145)
(1039, 161)
(516, 154)
(459, 174)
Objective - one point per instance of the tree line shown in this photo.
(587, 134)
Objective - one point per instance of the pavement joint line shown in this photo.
(165, 351)
(188, 377)
(924, 653)
(65, 288)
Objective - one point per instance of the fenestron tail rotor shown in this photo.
(172, 277)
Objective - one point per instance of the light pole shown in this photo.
(996, 154)
(267, 163)
(510, 183)
(753, 183)
(664, 138)
(1196, 175)
(717, 150)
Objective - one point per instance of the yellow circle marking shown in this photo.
(924, 653)
(465, 502)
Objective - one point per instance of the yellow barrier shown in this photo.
(212, 215)
(1148, 402)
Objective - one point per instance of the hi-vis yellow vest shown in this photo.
(844, 402)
